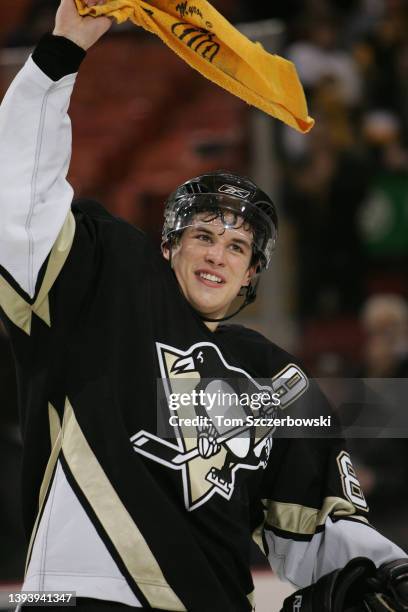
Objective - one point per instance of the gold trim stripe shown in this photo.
(17, 309)
(58, 257)
(56, 442)
(303, 520)
(257, 534)
(55, 424)
(251, 598)
(383, 604)
(113, 516)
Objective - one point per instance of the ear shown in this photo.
(165, 250)
(249, 275)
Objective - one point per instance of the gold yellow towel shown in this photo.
(211, 45)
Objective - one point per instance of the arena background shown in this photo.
(336, 293)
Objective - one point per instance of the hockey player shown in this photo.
(105, 330)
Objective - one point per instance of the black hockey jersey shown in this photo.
(112, 326)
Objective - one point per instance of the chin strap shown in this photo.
(250, 296)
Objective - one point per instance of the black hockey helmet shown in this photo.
(236, 201)
(222, 193)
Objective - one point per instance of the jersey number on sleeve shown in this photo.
(351, 486)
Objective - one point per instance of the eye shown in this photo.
(203, 237)
(236, 248)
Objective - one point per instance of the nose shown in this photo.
(215, 254)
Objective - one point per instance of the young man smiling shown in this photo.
(104, 330)
(211, 265)
(215, 254)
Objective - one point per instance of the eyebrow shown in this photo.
(199, 228)
(239, 241)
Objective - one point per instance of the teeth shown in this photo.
(210, 277)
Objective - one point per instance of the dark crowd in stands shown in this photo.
(343, 194)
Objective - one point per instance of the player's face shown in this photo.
(212, 263)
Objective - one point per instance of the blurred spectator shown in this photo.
(381, 47)
(383, 216)
(323, 192)
(346, 182)
(385, 322)
(382, 463)
(320, 55)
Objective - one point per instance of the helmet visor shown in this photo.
(233, 213)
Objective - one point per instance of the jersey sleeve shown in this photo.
(35, 151)
(313, 516)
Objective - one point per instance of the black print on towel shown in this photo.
(199, 39)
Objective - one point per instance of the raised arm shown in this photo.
(35, 145)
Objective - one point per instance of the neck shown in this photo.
(212, 325)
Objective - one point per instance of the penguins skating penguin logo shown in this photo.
(209, 458)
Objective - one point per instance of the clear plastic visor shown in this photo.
(223, 213)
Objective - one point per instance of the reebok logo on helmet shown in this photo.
(234, 191)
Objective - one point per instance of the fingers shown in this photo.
(83, 31)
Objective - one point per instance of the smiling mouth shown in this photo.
(211, 280)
